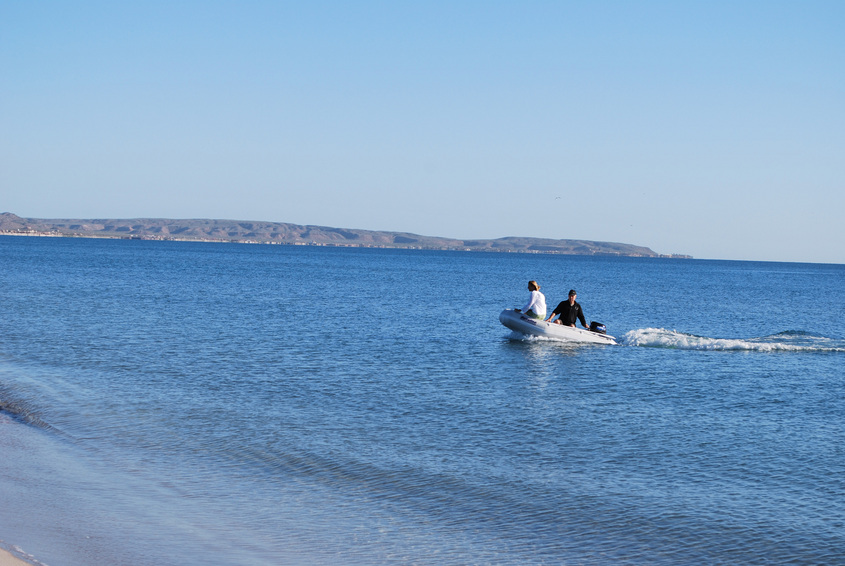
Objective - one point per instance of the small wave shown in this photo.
(788, 341)
(21, 411)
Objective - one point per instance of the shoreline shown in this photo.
(9, 553)
(148, 238)
(9, 559)
(24, 470)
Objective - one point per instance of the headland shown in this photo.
(261, 232)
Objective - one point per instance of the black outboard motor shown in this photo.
(597, 327)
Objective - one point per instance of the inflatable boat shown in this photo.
(518, 322)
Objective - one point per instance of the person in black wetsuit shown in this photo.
(569, 312)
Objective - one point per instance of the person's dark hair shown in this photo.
(572, 292)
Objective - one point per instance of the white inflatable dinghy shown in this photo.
(518, 322)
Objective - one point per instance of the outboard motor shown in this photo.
(597, 327)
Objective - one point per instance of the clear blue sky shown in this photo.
(712, 128)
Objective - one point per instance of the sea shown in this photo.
(212, 403)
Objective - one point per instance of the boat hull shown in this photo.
(518, 322)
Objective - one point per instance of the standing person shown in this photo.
(536, 306)
(569, 311)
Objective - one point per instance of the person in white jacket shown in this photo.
(536, 306)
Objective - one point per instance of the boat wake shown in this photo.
(789, 341)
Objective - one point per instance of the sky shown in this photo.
(712, 128)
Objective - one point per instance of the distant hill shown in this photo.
(294, 234)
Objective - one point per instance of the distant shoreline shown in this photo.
(277, 233)
(324, 244)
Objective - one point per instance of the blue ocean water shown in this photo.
(198, 403)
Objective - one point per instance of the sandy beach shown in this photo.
(8, 559)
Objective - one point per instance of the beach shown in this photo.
(7, 559)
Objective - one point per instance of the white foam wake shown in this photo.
(782, 342)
